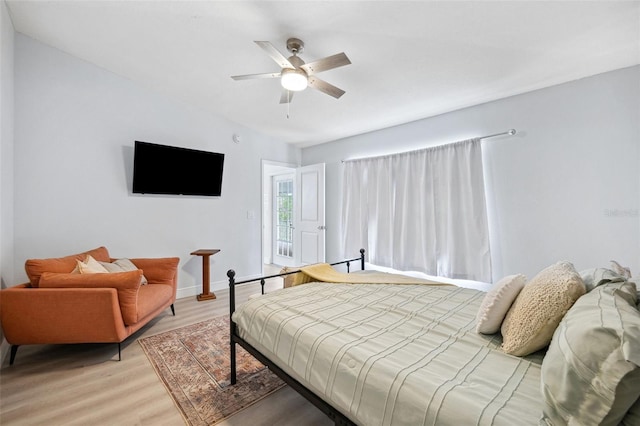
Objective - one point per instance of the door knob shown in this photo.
(322, 228)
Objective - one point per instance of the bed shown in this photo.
(390, 354)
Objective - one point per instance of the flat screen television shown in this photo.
(163, 169)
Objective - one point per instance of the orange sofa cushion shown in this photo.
(35, 267)
(151, 297)
(127, 284)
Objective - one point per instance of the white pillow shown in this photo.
(497, 302)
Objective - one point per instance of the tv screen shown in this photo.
(163, 169)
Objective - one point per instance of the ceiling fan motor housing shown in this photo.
(296, 61)
(295, 45)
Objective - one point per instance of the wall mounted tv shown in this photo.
(163, 169)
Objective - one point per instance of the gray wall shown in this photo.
(6, 156)
(75, 127)
(565, 187)
(6, 148)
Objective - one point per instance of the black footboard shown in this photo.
(331, 412)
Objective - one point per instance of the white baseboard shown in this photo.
(195, 290)
(220, 285)
(214, 286)
(188, 292)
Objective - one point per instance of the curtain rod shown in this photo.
(509, 132)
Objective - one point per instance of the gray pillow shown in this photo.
(637, 280)
(591, 372)
(122, 265)
(598, 276)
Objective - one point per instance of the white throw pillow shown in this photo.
(497, 302)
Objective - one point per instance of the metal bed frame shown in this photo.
(335, 415)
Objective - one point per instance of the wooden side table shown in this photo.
(205, 253)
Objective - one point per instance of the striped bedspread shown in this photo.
(394, 354)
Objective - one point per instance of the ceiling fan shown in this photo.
(295, 74)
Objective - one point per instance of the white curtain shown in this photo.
(420, 211)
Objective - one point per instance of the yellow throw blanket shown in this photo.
(323, 272)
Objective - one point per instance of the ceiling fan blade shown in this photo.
(286, 96)
(275, 54)
(328, 63)
(250, 76)
(325, 87)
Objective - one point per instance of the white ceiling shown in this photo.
(410, 59)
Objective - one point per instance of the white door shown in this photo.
(309, 226)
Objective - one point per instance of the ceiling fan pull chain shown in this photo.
(288, 102)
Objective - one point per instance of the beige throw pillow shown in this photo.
(496, 303)
(538, 309)
(90, 266)
(122, 265)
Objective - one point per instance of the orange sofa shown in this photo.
(58, 306)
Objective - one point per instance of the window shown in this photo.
(284, 217)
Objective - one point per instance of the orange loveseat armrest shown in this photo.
(61, 315)
(163, 270)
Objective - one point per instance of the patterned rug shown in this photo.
(193, 364)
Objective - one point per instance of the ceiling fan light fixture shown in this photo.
(294, 80)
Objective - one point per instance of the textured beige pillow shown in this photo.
(122, 265)
(496, 303)
(538, 309)
(90, 266)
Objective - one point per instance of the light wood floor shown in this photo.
(87, 385)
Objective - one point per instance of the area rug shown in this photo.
(193, 364)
